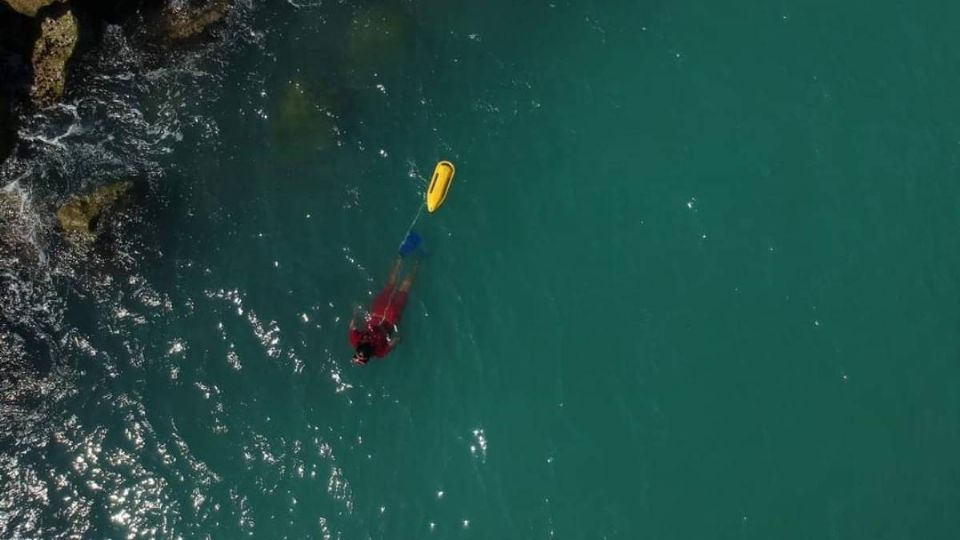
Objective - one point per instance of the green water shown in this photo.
(696, 278)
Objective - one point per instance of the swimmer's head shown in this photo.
(363, 352)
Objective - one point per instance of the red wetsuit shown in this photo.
(384, 316)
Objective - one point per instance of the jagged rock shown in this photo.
(82, 216)
(183, 21)
(29, 7)
(54, 47)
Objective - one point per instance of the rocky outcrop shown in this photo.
(28, 7)
(182, 21)
(83, 216)
(54, 47)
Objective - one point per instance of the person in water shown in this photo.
(377, 334)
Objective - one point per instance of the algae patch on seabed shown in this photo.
(304, 122)
(378, 39)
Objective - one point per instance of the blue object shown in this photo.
(410, 243)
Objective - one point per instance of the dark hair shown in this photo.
(366, 349)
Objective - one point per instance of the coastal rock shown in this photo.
(54, 47)
(82, 216)
(28, 7)
(182, 20)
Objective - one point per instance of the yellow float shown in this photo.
(440, 185)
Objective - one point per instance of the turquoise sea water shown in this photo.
(696, 278)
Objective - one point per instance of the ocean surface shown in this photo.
(697, 277)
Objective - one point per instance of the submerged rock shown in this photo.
(82, 216)
(379, 36)
(183, 21)
(54, 47)
(28, 7)
(304, 122)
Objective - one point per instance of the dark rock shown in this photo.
(17, 32)
(82, 217)
(113, 11)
